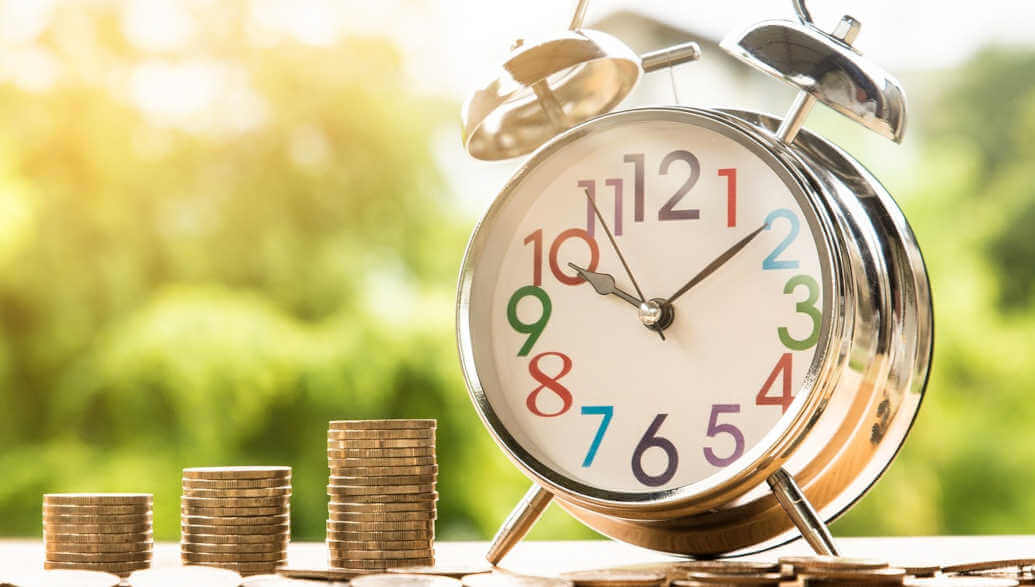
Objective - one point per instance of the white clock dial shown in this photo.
(575, 377)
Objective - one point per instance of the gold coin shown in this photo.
(379, 545)
(114, 567)
(236, 502)
(99, 557)
(350, 563)
(81, 547)
(380, 462)
(379, 489)
(339, 552)
(234, 557)
(321, 574)
(180, 576)
(110, 519)
(398, 498)
(353, 471)
(192, 538)
(237, 473)
(959, 581)
(202, 520)
(505, 579)
(379, 453)
(415, 506)
(381, 424)
(97, 498)
(614, 578)
(333, 526)
(97, 528)
(730, 567)
(242, 567)
(379, 443)
(233, 548)
(79, 578)
(919, 569)
(451, 570)
(377, 480)
(97, 510)
(220, 484)
(235, 529)
(710, 579)
(409, 433)
(98, 538)
(989, 565)
(245, 512)
(404, 580)
(345, 516)
(237, 493)
(885, 576)
(380, 536)
(802, 564)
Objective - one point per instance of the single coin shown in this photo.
(802, 564)
(404, 580)
(333, 526)
(180, 576)
(208, 520)
(381, 424)
(959, 581)
(233, 548)
(115, 568)
(367, 480)
(109, 519)
(989, 565)
(413, 433)
(614, 578)
(68, 578)
(885, 576)
(97, 547)
(244, 568)
(702, 578)
(398, 498)
(243, 512)
(98, 557)
(219, 484)
(415, 506)
(379, 489)
(263, 492)
(455, 570)
(380, 544)
(389, 471)
(97, 498)
(349, 563)
(236, 502)
(97, 510)
(381, 461)
(97, 528)
(346, 536)
(192, 538)
(321, 574)
(338, 552)
(224, 557)
(237, 473)
(374, 443)
(346, 516)
(919, 569)
(98, 538)
(730, 567)
(235, 530)
(504, 579)
(379, 453)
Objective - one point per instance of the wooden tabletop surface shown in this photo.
(543, 558)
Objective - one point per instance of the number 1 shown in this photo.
(607, 412)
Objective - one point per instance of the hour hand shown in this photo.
(604, 284)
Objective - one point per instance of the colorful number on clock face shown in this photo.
(576, 378)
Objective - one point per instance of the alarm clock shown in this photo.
(700, 331)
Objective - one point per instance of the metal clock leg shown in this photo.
(801, 513)
(519, 522)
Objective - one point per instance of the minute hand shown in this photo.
(714, 265)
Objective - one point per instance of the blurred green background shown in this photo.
(207, 251)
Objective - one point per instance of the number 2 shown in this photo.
(668, 211)
(772, 262)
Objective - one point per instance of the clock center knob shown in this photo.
(656, 314)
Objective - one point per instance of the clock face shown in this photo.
(573, 377)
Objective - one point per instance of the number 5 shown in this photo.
(714, 429)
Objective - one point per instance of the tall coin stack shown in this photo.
(109, 532)
(236, 518)
(381, 513)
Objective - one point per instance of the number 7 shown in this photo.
(607, 412)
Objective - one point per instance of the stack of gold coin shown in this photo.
(108, 532)
(236, 518)
(382, 493)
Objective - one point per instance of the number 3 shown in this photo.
(807, 307)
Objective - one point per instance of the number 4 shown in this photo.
(785, 398)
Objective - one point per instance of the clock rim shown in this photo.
(769, 453)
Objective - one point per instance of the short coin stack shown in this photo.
(236, 518)
(381, 513)
(109, 532)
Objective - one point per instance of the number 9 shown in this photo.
(533, 329)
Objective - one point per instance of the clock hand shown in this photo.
(718, 262)
(618, 252)
(604, 284)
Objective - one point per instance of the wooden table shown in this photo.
(18, 556)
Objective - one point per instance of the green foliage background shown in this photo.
(175, 297)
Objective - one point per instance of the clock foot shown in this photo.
(801, 513)
(518, 523)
